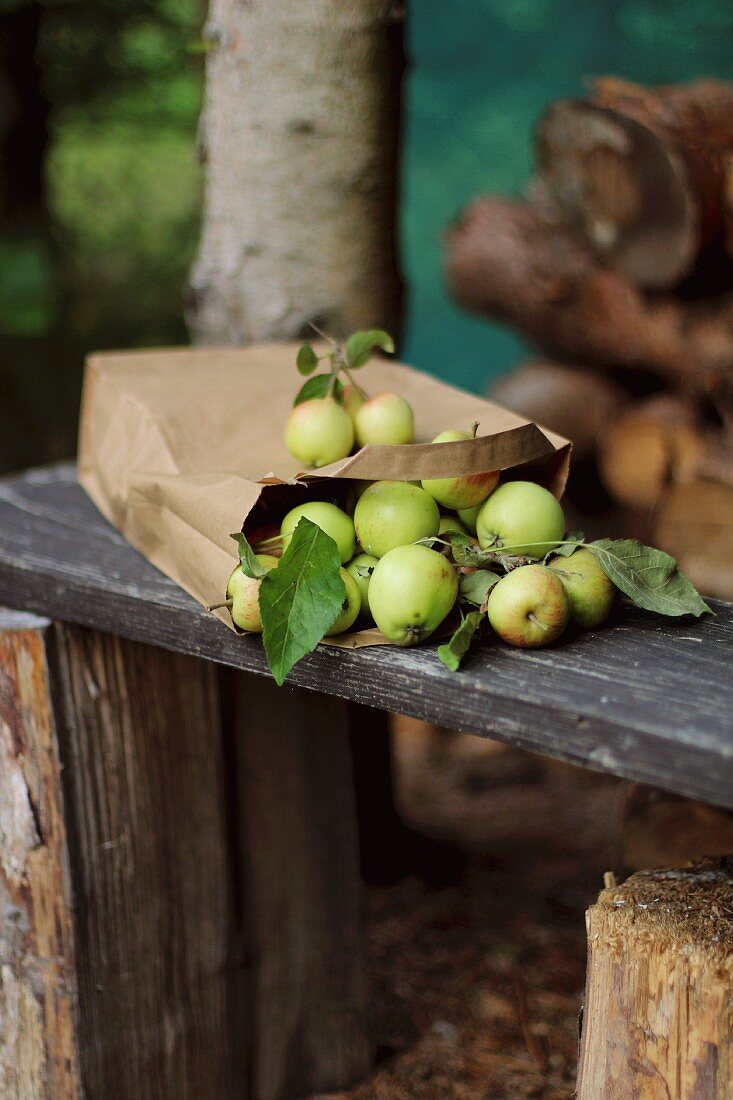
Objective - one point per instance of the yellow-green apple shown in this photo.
(451, 523)
(469, 516)
(326, 516)
(522, 517)
(356, 488)
(350, 609)
(319, 431)
(460, 492)
(411, 591)
(244, 592)
(529, 607)
(352, 400)
(394, 513)
(386, 418)
(589, 590)
(361, 568)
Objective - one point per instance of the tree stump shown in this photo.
(658, 1019)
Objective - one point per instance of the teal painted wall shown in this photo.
(481, 73)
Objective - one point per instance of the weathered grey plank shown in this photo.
(647, 698)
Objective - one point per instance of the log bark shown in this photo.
(573, 401)
(513, 261)
(299, 136)
(640, 172)
(38, 989)
(658, 1018)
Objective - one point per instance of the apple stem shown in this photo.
(322, 334)
(533, 619)
(362, 393)
(474, 428)
(216, 606)
(267, 542)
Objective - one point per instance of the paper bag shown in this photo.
(180, 447)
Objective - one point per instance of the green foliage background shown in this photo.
(103, 262)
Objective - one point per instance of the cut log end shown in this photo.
(576, 403)
(648, 447)
(623, 188)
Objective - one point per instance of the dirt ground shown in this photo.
(476, 971)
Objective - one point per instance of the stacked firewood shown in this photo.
(618, 266)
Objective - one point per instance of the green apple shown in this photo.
(326, 516)
(386, 418)
(244, 591)
(394, 513)
(352, 400)
(349, 612)
(319, 432)
(460, 492)
(361, 568)
(411, 591)
(523, 517)
(356, 488)
(529, 607)
(469, 517)
(589, 590)
(451, 523)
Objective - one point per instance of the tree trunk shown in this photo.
(640, 172)
(299, 134)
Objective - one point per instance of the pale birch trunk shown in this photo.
(299, 135)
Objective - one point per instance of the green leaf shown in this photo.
(301, 598)
(475, 587)
(360, 346)
(572, 542)
(317, 386)
(648, 576)
(465, 552)
(452, 653)
(247, 557)
(307, 360)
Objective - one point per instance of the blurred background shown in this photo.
(100, 184)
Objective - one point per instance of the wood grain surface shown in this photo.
(645, 697)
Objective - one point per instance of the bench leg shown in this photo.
(300, 924)
(658, 1017)
(179, 894)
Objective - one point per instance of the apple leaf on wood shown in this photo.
(452, 653)
(360, 346)
(300, 599)
(247, 557)
(648, 576)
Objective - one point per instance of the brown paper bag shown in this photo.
(180, 447)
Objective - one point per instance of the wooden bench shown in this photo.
(179, 855)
